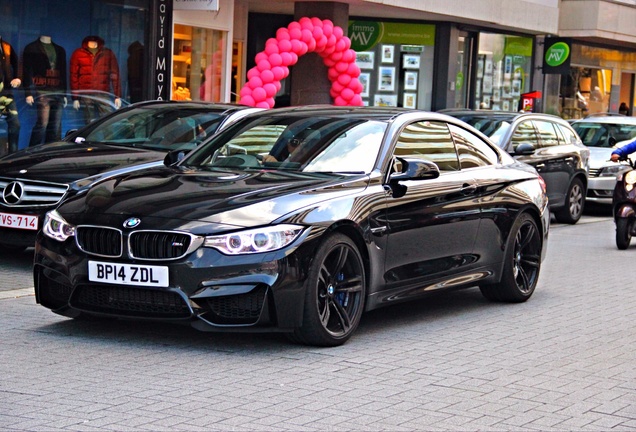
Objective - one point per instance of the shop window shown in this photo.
(585, 91)
(504, 63)
(197, 66)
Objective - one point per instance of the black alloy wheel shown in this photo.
(522, 264)
(623, 232)
(334, 294)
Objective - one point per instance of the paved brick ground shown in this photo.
(563, 361)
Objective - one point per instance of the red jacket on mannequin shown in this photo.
(94, 67)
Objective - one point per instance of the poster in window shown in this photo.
(506, 105)
(410, 100)
(410, 81)
(364, 79)
(387, 53)
(411, 61)
(496, 94)
(365, 59)
(386, 81)
(487, 84)
(485, 103)
(508, 66)
(477, 89)
(515, 90)
(488, 66)
(385, 100)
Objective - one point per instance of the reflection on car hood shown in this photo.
(220, 197)
(599, 156)
(64, 162)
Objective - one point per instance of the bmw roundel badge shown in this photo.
(132, 222)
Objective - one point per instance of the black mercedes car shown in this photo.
(298, 220)
(37, 179)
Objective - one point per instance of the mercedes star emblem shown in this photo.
(13, 193)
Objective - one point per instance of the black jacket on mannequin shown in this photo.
(39, 75)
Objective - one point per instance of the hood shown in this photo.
(64, 162)
(208, 197)
(87, 39)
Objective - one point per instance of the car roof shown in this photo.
(223, 107)
(608, 119)
(502, 115)
(365, 112)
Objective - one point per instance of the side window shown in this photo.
(568, 134)
(547, 134)
(473, 151)
(428, 140)
(524, 133)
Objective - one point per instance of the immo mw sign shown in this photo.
(556, 59)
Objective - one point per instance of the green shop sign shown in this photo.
(365, 35)
(556, 59)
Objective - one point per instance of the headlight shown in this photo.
(630, 177)
(56, 227)
(257, 240)
(613, 170)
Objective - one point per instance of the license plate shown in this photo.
(128, 274)
(26, 222)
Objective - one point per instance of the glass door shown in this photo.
(465, 49)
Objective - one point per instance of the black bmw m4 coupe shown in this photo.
(299, 220)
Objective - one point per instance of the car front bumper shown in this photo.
(600, 189)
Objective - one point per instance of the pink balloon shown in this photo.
(337, 86)
(252, 73)
(275, 60)
(331, 42)
(296, 46)
(338, 32)
(287, 58)
(247, 100)
(259, 94)
(327, 28)
(347, 94)
(339, 101)
(306, 23)
(279, 73)
(293, 25)
(270, 101)
(271, 41)
(317, 22)
(328, 50)
(341, 67)
(255, 83)
(332, 74)
(317, 33)
(303, 49)
(356, 100)
(263, 104)
(277, 85)
(284, 46)
(353, 70)
(328, 62)
(294, 57)
(306, 36)
(282, 34)
(295, 33)
(349, 56)
(341, 45)
(334, 94)
(271, 48)
(321, 44)
(344, 79)
(267, 76)
(311, 46)
(260, 57)
(270, 89)
(336, 56)
(355, 85)
(263, 65)
(245, 91)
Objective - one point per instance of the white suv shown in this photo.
(602, 134)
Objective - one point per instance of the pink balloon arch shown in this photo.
(299, 38)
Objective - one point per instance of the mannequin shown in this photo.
(45, 82)
(94, 68)
(8, 82)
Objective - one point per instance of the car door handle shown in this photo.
(468, 189)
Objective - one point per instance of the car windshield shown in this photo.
(493, 127)
(599, 134)
(164, 128)
(293, 143)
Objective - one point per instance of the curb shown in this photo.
(23, 292)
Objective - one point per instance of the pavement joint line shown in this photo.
(21, 292)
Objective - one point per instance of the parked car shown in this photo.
(601, 133)
(357, 208)
(546, 142)
(37, 179)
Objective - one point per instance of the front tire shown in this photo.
(334, 294)
(623, 233)
(522, 264)
(574, 202)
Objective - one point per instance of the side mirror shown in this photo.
(70, 132)
(415, 169)
(611, 141)
(174, 156)
(524, 149)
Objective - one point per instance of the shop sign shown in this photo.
(556, 59)
(209, 5)
(161, 53)
(365, 35)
